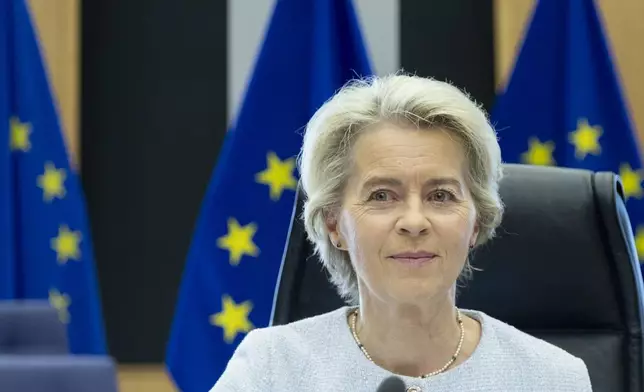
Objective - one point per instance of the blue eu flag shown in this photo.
(311, 49)
(45, 244)
(563, 105)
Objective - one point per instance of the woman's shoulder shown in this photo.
(292, 341)
(522, 343)
(508, 343)
(310, 329)
(267, 356)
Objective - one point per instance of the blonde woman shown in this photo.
(401, 175)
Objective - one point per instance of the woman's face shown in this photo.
(407, 218)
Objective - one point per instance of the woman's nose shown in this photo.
(413, 222)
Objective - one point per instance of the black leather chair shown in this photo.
(563, 268)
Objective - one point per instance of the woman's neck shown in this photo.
(409, 339)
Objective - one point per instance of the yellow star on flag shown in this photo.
(52, 182)
(66, 244)
(639, 242)
(19, 135)
(631, 181)
(586, 139)
(278, 175)
(239, 241)
(233, 318)
(61, 303)
(539, 153)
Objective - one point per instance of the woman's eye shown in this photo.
(380, 196)
(442, 196)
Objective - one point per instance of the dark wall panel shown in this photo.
(153, 118)
(450, 40)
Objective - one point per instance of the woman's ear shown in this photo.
(475, 235)
(332, 226)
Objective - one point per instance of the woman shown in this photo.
(401, 175)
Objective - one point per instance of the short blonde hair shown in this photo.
(425, 103)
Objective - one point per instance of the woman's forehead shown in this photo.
(392, 150)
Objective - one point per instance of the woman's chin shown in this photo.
(414, 290)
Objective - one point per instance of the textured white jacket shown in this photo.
(319, 354)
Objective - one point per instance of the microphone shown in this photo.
(392, 384)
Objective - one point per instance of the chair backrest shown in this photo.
(31, 327)
(57, 373)
(563, 268)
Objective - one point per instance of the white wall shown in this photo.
(248, 19)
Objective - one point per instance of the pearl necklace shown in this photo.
(459, 318)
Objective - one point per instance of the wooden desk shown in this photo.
(144, 378)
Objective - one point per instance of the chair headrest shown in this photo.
(563, 257)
